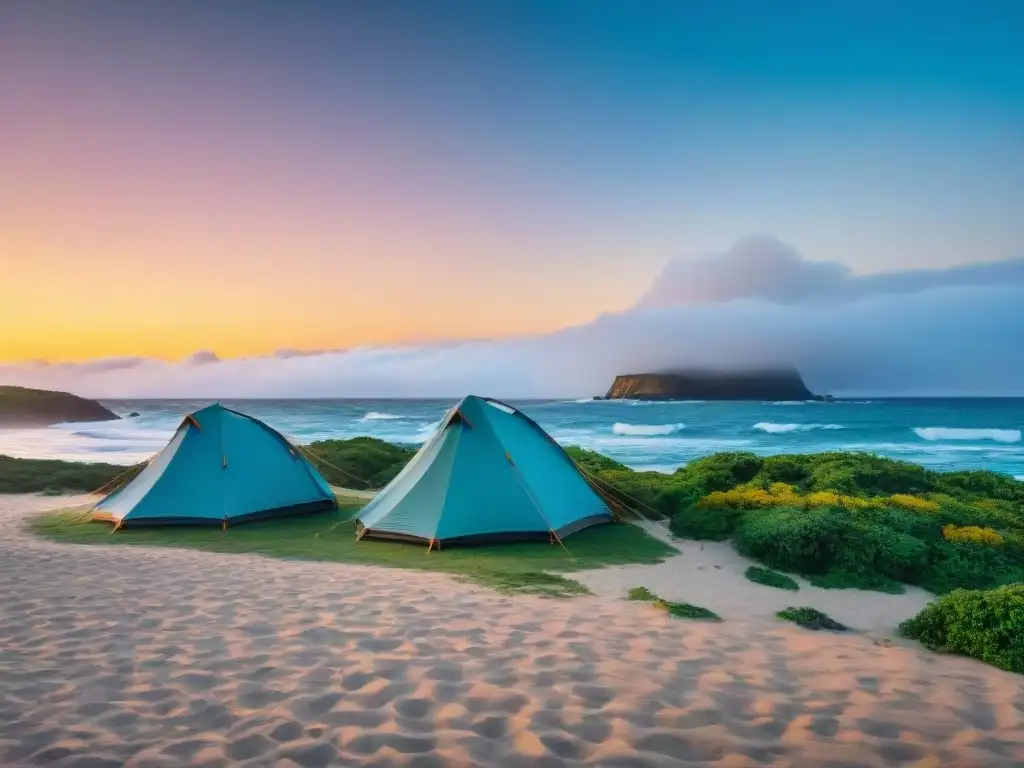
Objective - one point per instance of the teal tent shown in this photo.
(221, 466)
(488, 474)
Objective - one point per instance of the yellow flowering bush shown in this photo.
(738, 498)
(822, 499)
(913, 503)
(973, 534)
(783, 494)
(782, 490)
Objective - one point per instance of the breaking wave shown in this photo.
(933, 434)
(377, 416)
(781, 429)
(647, 430)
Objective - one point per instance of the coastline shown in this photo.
(939, 434)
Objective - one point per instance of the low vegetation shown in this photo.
(838, 519)
(527, 567)
(363, 463)
(679, 610)
(687, 611)
(529, 583)
(53, 477)
(770, 578)
(642, 594)
(811, 618)
(842, 519)
(984, 624)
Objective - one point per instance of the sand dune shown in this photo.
(138, 657)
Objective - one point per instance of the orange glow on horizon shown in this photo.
(105, 302)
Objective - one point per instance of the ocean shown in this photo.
(940, 434)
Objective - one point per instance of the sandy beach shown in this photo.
(160, 657)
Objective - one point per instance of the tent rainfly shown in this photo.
(489, 474)
(221, 466)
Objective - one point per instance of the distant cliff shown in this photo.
(774, 384)
(22, 407)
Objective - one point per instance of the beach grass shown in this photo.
(770, 578)
(52, 476)
(811, 618)
(642, 594)
(679, 610)
(523, 567)
(687, 611)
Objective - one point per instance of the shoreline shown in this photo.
(960, 435)
(160, 656)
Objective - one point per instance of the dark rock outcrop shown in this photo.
(755, 384)
(23, 407)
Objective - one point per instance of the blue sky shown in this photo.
(543, 161)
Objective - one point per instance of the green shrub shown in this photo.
(686, 611)
(866, 475)
(793, 470)
(637, 491)
(711, 524)
(839, 579)
(811, 618)
(771, 578)
(362, 463)
(679, 610)
(979, 484)
(719, 472)
(592, 461)
(967, 565)
(643, 594)
(832, 546)
(51, 476)
(792, 539)
(986, 625)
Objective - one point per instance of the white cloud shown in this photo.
(763, 267)
(958, 331)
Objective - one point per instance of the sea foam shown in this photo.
(377, 416)
(933, 434)
(647, 430)
(781, 429)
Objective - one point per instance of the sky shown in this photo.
(250, 177)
